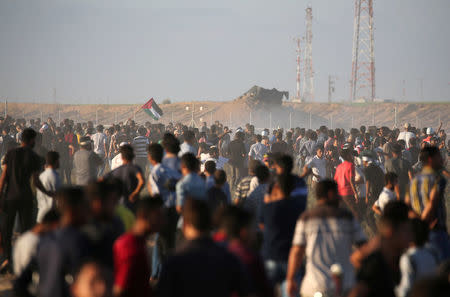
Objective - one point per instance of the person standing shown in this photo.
(85, 162)
(131, 177)
(20, 166)
(201, 268)
(401, 167)
(257, 150)
(140, 144)
(99, 141)
(406, 135)
(345, 179)
(324, 236)
(237, 153)
(51, 180)
(426, 196)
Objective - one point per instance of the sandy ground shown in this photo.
(238, 112)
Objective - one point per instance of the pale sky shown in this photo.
(120, 51)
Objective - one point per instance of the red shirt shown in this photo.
(343, 176)
(131, 267)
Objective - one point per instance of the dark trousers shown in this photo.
(26, 213)
(237, 173)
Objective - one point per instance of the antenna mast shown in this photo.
(363, 58)
(308, 85)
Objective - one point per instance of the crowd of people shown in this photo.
(171, 210)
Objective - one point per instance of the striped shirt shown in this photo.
(420, 190)
(140, 144)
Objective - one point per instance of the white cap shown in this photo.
(123, 143)
(336, 269)
(264, 133)
(430, 131)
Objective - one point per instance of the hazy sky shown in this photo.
(127, 51)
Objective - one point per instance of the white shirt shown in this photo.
(187, 148)
(116, 161)
(99, 140)
(51, 181)
(24, 249)
(385, 197)
(406, 136)
(318, 167)
(257, 151)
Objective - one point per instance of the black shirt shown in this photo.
(127, 174)
(378, 276)
(202, 268)
(279, 147)
(375, 175)
(237, 152)
(21, 163)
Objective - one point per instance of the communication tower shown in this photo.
(363, 58)
(308, 84)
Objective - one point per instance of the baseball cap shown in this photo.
(430, 131)
(264, 133)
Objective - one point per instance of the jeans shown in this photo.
(276, 273)
(440, 240)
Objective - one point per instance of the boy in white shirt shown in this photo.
(51, 181)
(387, 195)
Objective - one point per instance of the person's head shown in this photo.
(171, 144)
(396, 150)
(237, 224)
(103, 197)
(283, 164)
(282, 187)
(155, 153)
(189, 164)
(262, 173)
(189, 137)
(51, 220)
(100, 128)
(210, 168)
(142, 131)
(214, 152)
(265, 140)
(412, 142)
(52, 160)
(149, 215)
(127, 153)
(395, 226)
(407, 127)
(91, 281)
(252, 164)
(420, 232)
(258, 138)
(72, 204)
(390, 180)
(430, 156)
(319, 150)
(85, 142)
(220, 177)
(196, 218)
(347, 154)
(327, 192)
(29, 137)
(279, 136)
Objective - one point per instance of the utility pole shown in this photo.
(308, 84)
(363, 57)
(310, 120)
(270, 120)
(404, 90)
(299, 51)
(331, 88)
(6, 107)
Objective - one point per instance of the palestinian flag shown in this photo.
(152, 109)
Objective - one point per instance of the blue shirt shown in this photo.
(163, 180)
(191, 185)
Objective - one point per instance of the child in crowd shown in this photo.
(387, 195)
